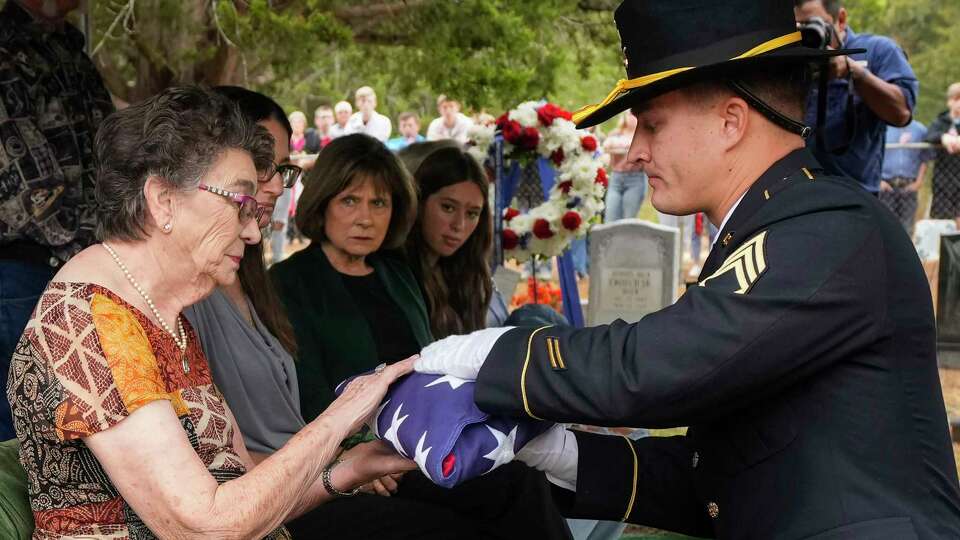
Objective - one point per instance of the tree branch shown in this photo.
(385, 9)
(596, 5)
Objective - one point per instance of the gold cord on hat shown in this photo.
(624, 85)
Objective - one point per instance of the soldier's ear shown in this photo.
(735, 115)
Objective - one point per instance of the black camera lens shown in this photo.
(816, 33)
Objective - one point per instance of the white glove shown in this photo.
(460, 356)
(555, 452)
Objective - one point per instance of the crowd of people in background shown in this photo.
(903, 170)
(624, 198)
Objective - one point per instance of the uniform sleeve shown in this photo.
(105, 364)
(787, 303)
(648, 482)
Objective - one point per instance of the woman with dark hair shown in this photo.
(122, 431)
(354, 303)
(449, 246)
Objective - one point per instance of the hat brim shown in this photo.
(635, 96)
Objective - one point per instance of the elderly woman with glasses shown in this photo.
(121, 429)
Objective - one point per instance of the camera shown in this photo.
(816, 32)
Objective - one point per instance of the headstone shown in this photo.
(926, 236)
(506, 280)
(634, 270)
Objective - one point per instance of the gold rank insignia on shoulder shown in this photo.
(747, 264)
(553, 353)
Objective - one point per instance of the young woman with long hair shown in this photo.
(449, 246)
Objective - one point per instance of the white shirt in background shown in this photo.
(438, 130)
(378, 127)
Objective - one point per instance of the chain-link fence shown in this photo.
(921, 185)
(921, 182)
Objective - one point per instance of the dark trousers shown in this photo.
(901, 202)
(511, 502)
(21, 285)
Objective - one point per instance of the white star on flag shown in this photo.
(393, 432)
(454, 382)
(373, 421)
(503, 453)
(420, 455)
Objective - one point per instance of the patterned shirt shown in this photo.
(51, 102)
(86, 361)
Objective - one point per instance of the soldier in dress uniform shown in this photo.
(803, 361)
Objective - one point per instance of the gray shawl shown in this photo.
(255, 374)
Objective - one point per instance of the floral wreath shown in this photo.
(576, 199)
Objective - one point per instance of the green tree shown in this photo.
(487, 53)
(926, 31)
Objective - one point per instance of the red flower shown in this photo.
(510, 239)
(557, 157)
(510, 213)
(602, 177)
(541, 229)
(512, 132)
(549, 112)
(571, 220)
(565, 186)
(529, 138)
(589, 143)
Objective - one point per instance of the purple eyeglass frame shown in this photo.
(238, 198)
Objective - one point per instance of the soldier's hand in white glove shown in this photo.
(555, 452)
(460, 356)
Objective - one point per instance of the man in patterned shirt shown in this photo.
(51, 101)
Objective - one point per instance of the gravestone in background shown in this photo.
(634, 270)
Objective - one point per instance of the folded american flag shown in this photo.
(433, 420)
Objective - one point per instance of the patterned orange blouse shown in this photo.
(86, 361)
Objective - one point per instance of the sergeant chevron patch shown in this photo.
(747, 263)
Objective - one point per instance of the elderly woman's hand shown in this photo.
(363, 395)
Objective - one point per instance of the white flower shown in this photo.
(525, 114)
(522, 224)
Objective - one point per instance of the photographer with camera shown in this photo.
(865, 92)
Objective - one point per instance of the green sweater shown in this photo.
(333, 337)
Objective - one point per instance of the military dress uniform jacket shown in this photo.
(803, 363)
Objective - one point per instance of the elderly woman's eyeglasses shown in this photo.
(247, 205)
(288, 173)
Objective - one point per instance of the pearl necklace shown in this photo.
(181, 339)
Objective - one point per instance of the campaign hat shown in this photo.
(669, 44)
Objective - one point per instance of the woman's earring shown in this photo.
(167, 227)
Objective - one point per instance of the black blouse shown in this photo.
(392, 336)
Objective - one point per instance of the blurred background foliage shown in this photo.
(927, 31)
(490, 54)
